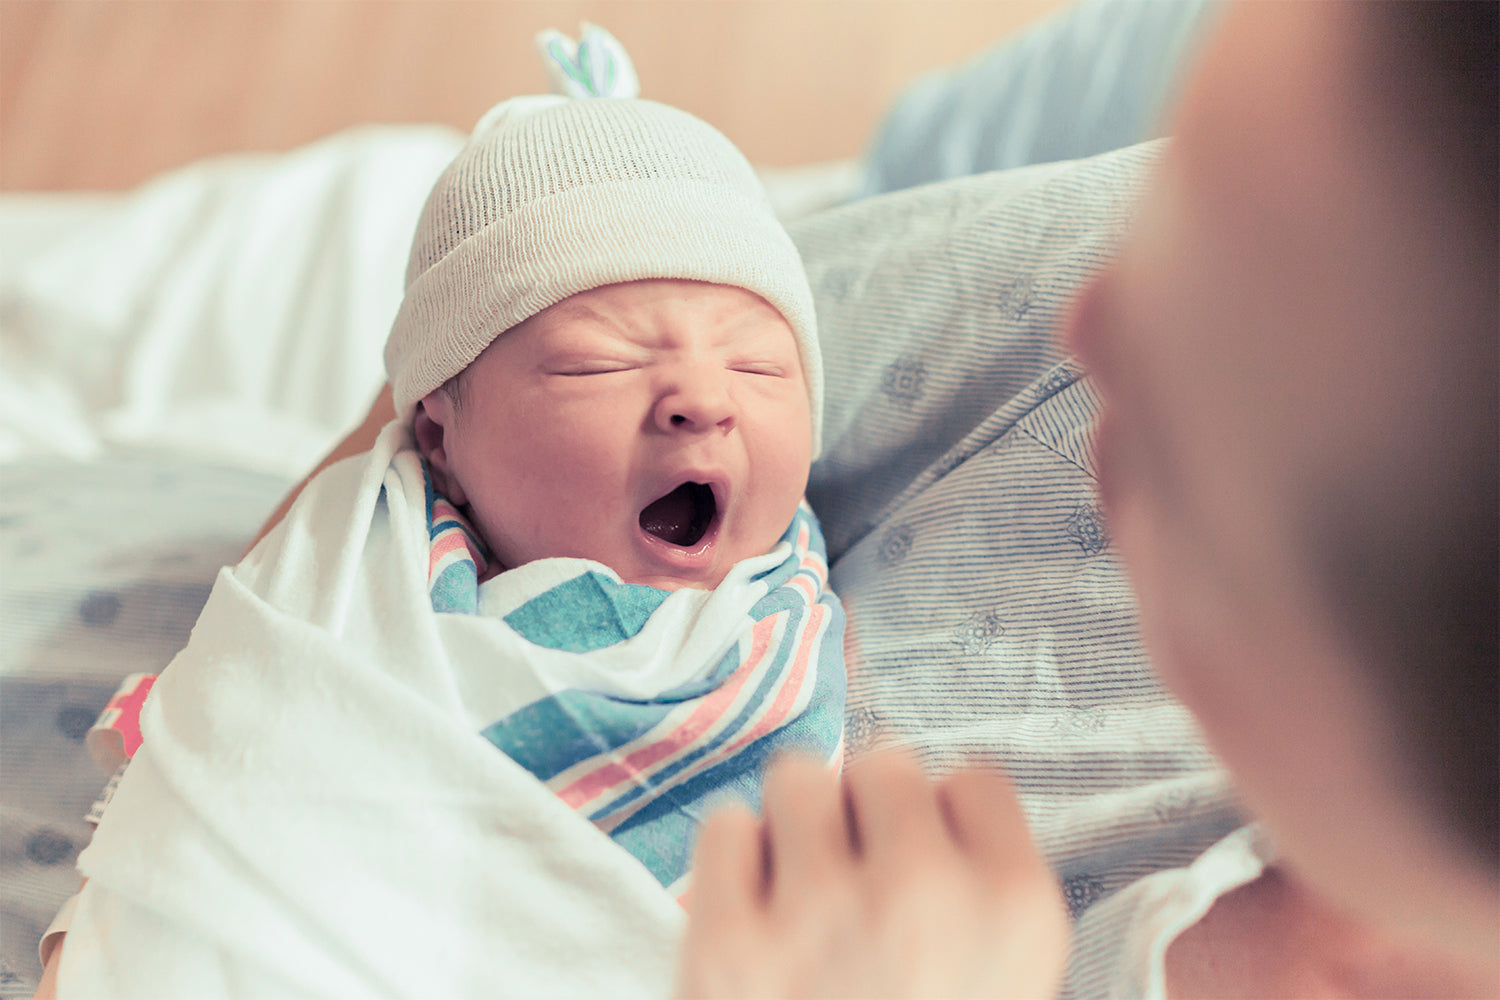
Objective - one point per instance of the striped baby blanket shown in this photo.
(644, 768)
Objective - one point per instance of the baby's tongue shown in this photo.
(671, 517)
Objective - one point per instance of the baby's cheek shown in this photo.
(788, 466)
(781, 491)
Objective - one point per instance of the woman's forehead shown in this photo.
(1272, 111)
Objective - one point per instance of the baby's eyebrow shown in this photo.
(752, 333)
(571, 309)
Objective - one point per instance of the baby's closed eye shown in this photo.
(575, 367)
(774, 369)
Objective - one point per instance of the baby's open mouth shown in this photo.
(682, 516)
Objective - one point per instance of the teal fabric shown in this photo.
(588, 612)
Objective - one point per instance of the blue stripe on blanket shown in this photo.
(457, 556)
(662, 833)
(586, 613)
(807, 732)
(549, 736)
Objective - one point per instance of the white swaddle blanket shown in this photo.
(315, 812)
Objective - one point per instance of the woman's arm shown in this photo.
(47, 988)
(361, 439)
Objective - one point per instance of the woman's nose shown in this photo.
(695, 400)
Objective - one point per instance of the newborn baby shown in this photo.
(607, 352)
(573, 589)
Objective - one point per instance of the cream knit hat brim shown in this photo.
(552, 197)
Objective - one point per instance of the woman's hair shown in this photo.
(1411, 565)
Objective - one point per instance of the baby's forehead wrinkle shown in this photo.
(572, 309)
(657, 325)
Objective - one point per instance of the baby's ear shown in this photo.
(434, 414)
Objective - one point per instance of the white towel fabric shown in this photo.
(314, 812)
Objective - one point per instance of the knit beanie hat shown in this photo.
(552, 196)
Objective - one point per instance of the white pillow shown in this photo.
(234, 309)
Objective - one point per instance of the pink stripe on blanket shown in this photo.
(808, 588)
(786, 697)
(614, 773)
(451, 541)
(116, 735)
(792, 689)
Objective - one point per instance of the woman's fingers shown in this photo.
(983, 816)
(893, 810)
(807, 836)
(1022, 900)
(770, 895)
(729, 865)
(726, 901)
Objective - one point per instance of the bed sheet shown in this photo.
(232, 309)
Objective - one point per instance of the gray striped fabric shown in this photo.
(988, 615)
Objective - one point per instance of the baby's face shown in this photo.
(661, 428)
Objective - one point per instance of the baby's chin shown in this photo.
(672, 586)
(672, 583)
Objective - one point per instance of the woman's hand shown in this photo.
(885, 886)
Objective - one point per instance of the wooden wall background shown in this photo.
(105, 93)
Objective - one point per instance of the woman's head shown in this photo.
(1297, 350)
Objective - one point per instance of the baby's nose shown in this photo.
(696, 402)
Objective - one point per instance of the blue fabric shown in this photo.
(588, 612)
(990, 621)
(1096, 76)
